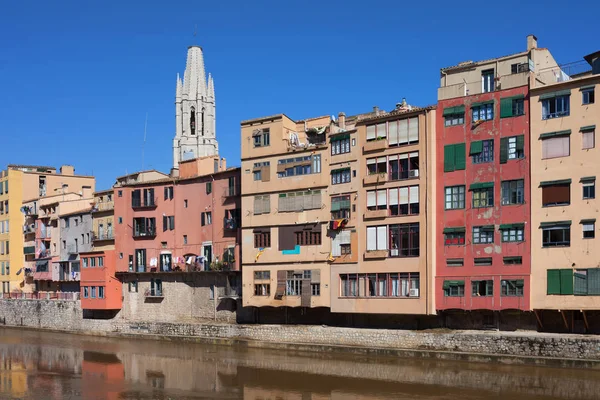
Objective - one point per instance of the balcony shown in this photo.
(45, 234)
(28, 229)
(44, 254)
(520, 78)
(138, 204)
(375, 145)
(147, 234)
(104, 206)
(100, 236)
(30, 211)
(231, 191)
(375, 254)
(72, 249)
(372, 214)
(230, 224)
(375, 178)
(154, 293)
(27, 250)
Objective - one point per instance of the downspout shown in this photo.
(427, 257)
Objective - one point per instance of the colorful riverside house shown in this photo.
(565, 117)
(483, 183)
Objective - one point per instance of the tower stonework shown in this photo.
(195, 123)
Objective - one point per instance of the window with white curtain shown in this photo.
(377, 238)
(376, 200)
(404, 131)
(555, 147)
(404, 200)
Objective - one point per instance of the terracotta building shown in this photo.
(483, 182)
(565, 116)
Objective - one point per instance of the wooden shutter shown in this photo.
(506, 107)
(449, 158)
(164, 223)
(280, 291)
(553, 284)
(315, 276)
(306, 293)
(556, 194)
(265, 173)
(503, 150)
(460, 161)
(521, 142)
(202, 219)
(566, 281)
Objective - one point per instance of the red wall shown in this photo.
(187, 220)
(101, 276)
(487, 172)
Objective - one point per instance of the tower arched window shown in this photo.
(193, 120)
(202, 122)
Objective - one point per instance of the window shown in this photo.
(404, 200)
(262, 204)
(120, 193)
(556, 106)
(185, 203)
(120, 220)
(512, 148)
(589, 188)
(455, 262)
(588, 226)
(483, 234)
(262, 275)
(308, 238)
(315, 289)
(86, 292)
(93, 292)
(404, 240)
(340, 144)
(518, 68)
(340, 207)
(340, 176)
(586, 281)
(588, 137)
(556, 146)
(556, 193)
(185, 239)
(299, 166)
(482, 261)
(168, 223)
(482, 288)
(169, 193)
(206, 218)
(380, 285)
(262, 239)
(101, 261)
(482, 112)
(454, 288)
(165, 262)
(92, 262)
(208, 187)
(262, 289)
(512, 288)
(340, 244)
(144, 227)
(377, 166)
(261, 171)
(403, 166)
(64, 244)
(454, 157)
(377, 238)
(513, 192)
(512, 106)
(455, 197)
(100, 292)
(454, 116)
(140, 260)
(513, 232)
(483, 194)
(518, 260)
(66, 223)
(293, 284)
(261, 137)
(454, 236)
(403, 132)
(487, 80)
(84, 262)
(556, 234)
(376, 132)
(299, 201)
(133, 287)
(587, 95)
(482, 151)
(376, 200)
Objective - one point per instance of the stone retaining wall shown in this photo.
(67, 316)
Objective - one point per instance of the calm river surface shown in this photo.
(42, 365)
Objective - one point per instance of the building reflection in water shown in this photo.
(43, 365)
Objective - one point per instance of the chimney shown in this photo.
(594, 61)
(342, 120)
(223, 164)
(376, 110)
(86, 192)
(531, 42)
(67, 170)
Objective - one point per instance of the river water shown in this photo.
(44, 365)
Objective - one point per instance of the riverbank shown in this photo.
(527, 348)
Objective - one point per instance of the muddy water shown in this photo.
(41, 365)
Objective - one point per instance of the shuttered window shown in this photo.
(454, 157)
(512, 148)
(558, 194)
(512, 106)
(555, 147)
(560, 281)
(377, 238)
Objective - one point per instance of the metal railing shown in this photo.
(232, 191)
(103, 235)
(146, 233)
(143, 203)
(65, 296)
(104, 206)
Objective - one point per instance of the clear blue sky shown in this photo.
(77, 79)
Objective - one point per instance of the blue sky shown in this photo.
(76, 81)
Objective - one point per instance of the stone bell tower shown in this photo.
(195, 126)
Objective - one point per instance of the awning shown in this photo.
(587, 128)
(588, 87)
(481, 185)
(339, 137)
(512, 226)
(588, 221)
(457, 229)
(555, 134)
(588, 179)
(553, 183)
(454, 110)
(482, 103)
(555, 223)
(447, 284)
(555, 94)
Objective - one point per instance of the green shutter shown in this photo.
(449, 158)
(553, 284)
(460, 160)
(580, 286)
(521, 142)
(520, 283)
(476, 147)
(481, 185)
(489, 288)
(446, 285)
(593, 281)
(339, 137)
(503, 150)
(566, 281)
(506, 107)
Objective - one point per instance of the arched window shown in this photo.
(193, 120)
(202, 121)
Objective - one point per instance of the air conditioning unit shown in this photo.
(413, 293)
(413, 174)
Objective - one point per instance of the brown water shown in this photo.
(41, 365)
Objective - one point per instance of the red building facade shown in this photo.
(483, 180)
(100, 289)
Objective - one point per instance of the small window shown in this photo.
(262, 275)
(120, 193)
(185, 239)
(120, 220)
(262, 240)
(513, 192)
(185, 203)
(482, 261)
(455, 197)
(455, 262)
(262, 289)
(487, 81)
(261, 137)
(208, 187)
(340, 176)
(206, 218)
(588, 138)
(513, 260)
(556, 146)
(483, 112)
(482, 151)
(454, 237)
(589, 189)
(315, 289)
(100, 292)
(482, 288)
(512, 233)
(340, 145)
(483, 197)
(589, 231)
(454, 119)
(86, 292)
(454, 288)
(483, 234)
(512, 288)
(588, 96)
(133, 287)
